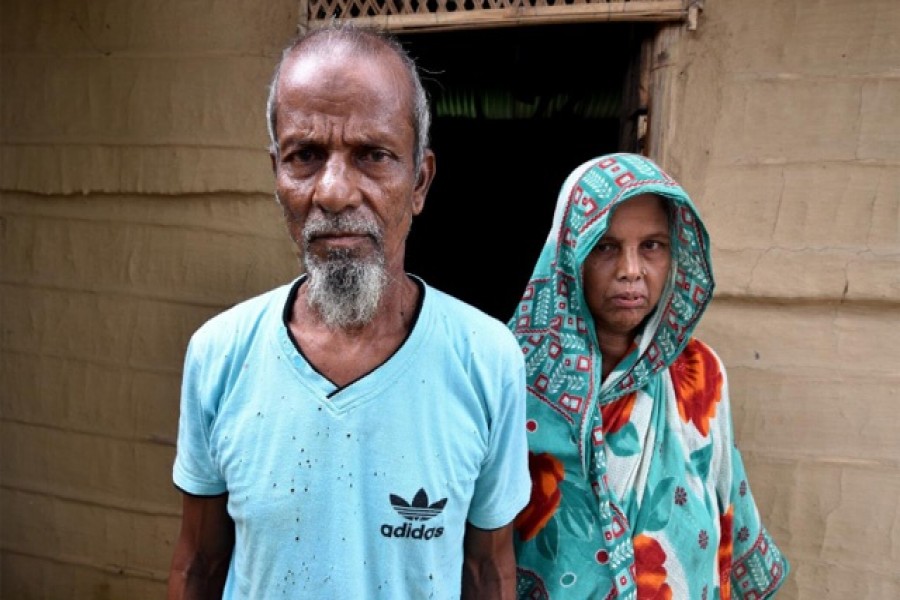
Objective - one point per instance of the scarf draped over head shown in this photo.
(637, 487)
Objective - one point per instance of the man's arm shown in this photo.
(489, 564)
(203, 551)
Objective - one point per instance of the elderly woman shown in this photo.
(638, 489)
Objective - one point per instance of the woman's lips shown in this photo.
(629, 300)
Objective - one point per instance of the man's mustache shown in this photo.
(341, 224)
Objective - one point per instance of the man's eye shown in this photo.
(304, 155)
(376, 155)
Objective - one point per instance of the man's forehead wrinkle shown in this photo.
(319, 128)
(303, 127)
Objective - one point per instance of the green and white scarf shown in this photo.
(638, 490)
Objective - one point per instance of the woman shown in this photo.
(638, 490)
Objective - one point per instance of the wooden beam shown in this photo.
(666, 10)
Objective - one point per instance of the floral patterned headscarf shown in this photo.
(637, 488)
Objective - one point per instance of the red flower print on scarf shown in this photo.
(650, 574)
(698, 385)
(546, 473)
(617, 414)
(725, 550)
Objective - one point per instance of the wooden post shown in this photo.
(303, 17)
(663, 92)
(694, 14)
(636, 97)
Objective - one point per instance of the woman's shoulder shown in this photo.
(697, 366)
(697, 350)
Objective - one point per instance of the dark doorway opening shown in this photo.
(514, 111)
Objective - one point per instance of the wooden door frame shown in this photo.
(649, 100)
(406, 16)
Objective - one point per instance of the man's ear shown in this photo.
(272, 158)
(423, 181)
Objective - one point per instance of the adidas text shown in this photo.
(409, 531)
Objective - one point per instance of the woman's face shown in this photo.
(626, 271)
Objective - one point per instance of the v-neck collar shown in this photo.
(340, 399)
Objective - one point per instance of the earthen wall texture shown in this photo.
(136, 203)
(786, 130)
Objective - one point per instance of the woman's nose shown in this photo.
(629, 267)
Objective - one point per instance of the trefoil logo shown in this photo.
(417, 510)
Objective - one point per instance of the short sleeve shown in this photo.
(195, 471)
(504, 486)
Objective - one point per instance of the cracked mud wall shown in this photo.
(136, 202)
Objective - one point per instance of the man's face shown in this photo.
(625, 273)
(345, 172)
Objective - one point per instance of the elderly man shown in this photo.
(356, 433)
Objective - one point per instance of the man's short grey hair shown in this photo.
(368, 42)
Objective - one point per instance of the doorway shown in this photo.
(514, 111)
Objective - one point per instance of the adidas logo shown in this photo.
(417, 510)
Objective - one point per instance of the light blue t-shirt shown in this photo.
(362, 491)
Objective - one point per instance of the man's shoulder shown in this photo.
(460, 308)
(456, 314)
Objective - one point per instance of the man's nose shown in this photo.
(338, 186)
(630, 267)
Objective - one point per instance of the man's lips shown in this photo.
(340, 238)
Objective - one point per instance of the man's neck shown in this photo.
(395, 312)
(343, 355)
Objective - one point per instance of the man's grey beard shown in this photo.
(344, 288)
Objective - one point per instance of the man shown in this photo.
(355, 434)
